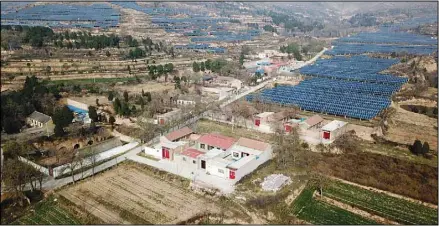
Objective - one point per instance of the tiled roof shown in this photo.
(217, 140)
(315, 119)
(193, 153)
(177, 134)
(39, 117)
(253, 144)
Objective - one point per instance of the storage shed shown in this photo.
(332, 130)
(313, 122)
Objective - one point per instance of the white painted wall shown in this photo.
(252, 165)
(36, 166)
(156, 153)
(187, 162)
(77, 104)
(212, 169)
(60, 170)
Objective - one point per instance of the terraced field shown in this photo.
(130, 195)
(48, 212)
(392, 208)
(305, 207)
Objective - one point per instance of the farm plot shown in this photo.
(130, 195)
(48, 212)
(319, 212)
(402, 211)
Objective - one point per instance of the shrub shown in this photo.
(416, 148)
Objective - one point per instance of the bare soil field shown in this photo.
(147, 87)
(132, 195)
(407, 126)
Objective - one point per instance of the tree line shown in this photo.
(213, 65)
(17, 105)
(292, 48)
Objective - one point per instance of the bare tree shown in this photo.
(319, 182)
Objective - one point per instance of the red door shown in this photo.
(326, 135)
(257, 122)
(287, 128)
(232, 174)
(165, 153)
(162, 121)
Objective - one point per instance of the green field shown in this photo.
(319, 212)
(47, 212)
(92, 80)
(399, 210)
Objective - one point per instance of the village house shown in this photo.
(180, 134)
(211, 141)
(168, 116)
(40, 120)
(213, 154)
(332, 130)
(314, 122)
(266, 120)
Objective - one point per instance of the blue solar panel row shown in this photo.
(361, 48)
(344, 86)
(357, 68)
(390, 37)
(353, 105)
(54, 15)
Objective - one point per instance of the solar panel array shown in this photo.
(63, 15)
(345, 86)
(355, 68)
(391, 38)
(355, 105)
(361, 48)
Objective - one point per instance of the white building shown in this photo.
(332, 130)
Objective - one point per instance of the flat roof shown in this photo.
(213, 153)
(334, 125)
(264, 114)
(241, 162)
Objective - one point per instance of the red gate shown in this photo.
(326, 135)
(165, 153)
(232, 174)
(257, 122)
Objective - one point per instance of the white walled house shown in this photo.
(40, 120)
(241, 159)
(332, 130)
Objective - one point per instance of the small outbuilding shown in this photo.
(313, 122)
(332, 130)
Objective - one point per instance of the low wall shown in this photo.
(36, 166)
(66, 168)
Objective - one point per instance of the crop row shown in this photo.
(48, 212)
(319, 212)
(392, 208)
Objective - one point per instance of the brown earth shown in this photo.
(130, 194)
(383, 172)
